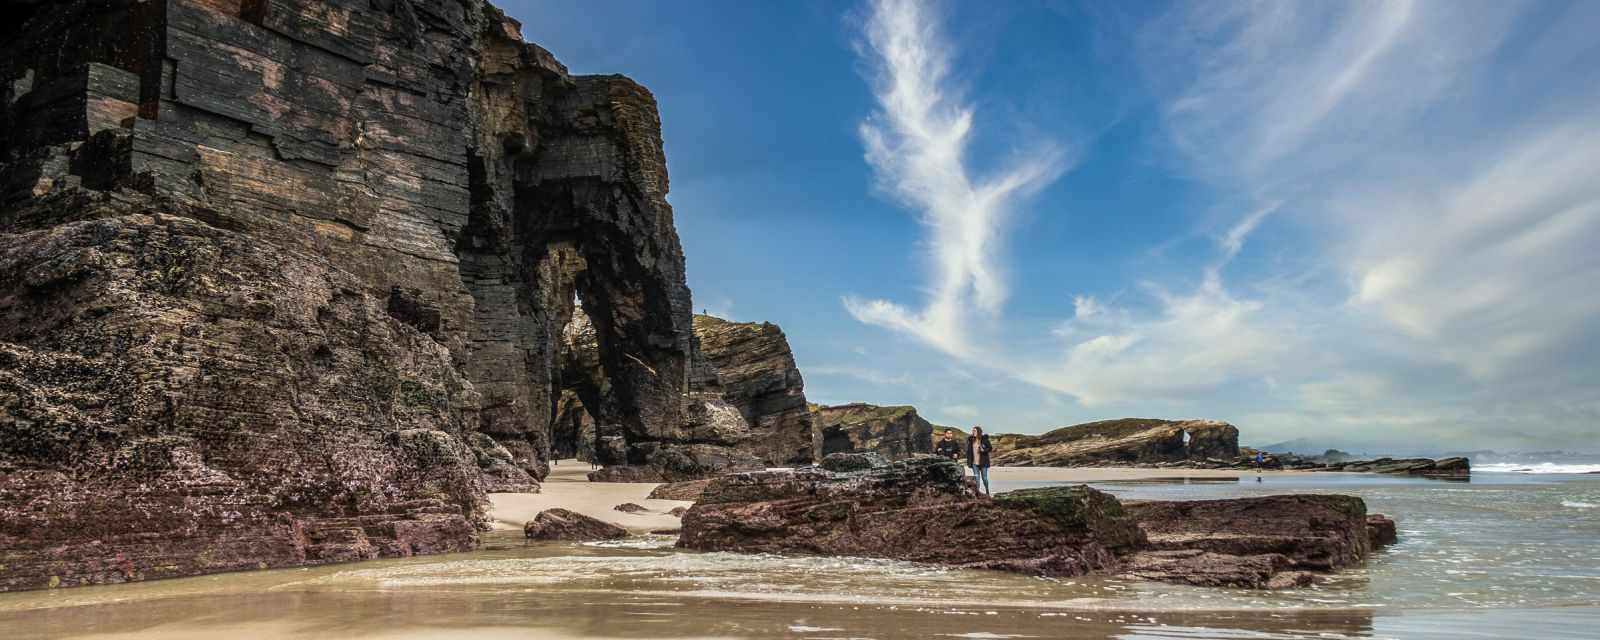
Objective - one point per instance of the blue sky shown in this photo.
(1364, 222)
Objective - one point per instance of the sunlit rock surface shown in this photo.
(284, 282)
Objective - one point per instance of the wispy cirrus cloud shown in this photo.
(1428, 164)
(917, 144)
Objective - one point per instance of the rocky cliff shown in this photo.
(750, 365)
(893, 432)
(284, 281)
(1129, 441)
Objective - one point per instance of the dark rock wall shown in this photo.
(751, 365)
(894, 432)
(283, 281)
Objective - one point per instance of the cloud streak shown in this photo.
(1428, 165)
(916, 143)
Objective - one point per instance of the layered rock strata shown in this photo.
(746, 407)
(751, 366)
(1129, 441)
(920, 510)
(283, 282)
(923, 510)
(893, 432)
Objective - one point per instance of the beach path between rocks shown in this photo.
(568, 487)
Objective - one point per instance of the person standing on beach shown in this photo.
(948, 448)
(978, 449)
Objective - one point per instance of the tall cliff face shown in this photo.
(746, 406)
(284, 281)
(894, 432)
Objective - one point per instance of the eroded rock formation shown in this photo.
(1129, 441)
(922, 509)
(746, 408)
(284, 282)
(893, 432)
(750, 365)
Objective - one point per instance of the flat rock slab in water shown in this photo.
(629, 507)
(561, 524)
(923, 510)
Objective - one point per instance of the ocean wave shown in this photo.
(1574, 504)
(1542, 467)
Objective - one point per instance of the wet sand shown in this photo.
(568, 487)
(1453, 575)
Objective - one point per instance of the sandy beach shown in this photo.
(568, 487)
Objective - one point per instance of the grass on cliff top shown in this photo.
(1119, 428)
(864, 411)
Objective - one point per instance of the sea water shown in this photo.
(1507, 555)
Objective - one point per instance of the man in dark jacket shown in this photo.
(978, 449)
(948, 448)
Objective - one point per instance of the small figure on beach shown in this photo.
(948, 448)
(978, 449)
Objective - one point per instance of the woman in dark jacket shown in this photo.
(978, 449)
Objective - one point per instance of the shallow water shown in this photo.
(1503, 556)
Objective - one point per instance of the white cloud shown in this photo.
(916, 143)
(1432, 167)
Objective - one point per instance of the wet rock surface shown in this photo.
(919, 510)
(923, 510)
(285, 282)
(894, 432)
(561, 524)
(847, 462)
(629, 507)
(687, 490)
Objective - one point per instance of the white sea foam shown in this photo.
(1574, 504)
(1542, 467)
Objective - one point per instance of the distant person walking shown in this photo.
(978, 449)
(948, 448)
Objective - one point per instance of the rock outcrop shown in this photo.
(746, 408)
(686, 490)
(561, 524)
(751, 366)
(893, 432)
(284, 282)
(923, 510)
(1442, 468)
(1264, 542)
(1129, 441)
